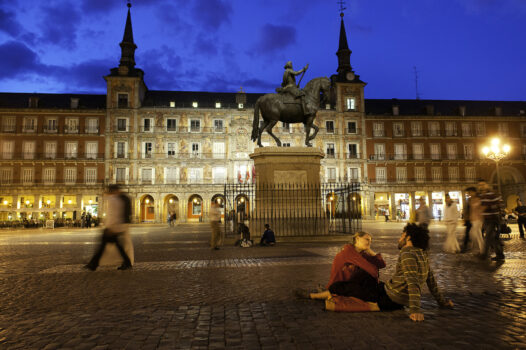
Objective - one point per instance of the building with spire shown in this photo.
(173, 151)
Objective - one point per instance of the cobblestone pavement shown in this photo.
(182, 295)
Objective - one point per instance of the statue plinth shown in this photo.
(288, 194)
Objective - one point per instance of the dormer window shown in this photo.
(172, 104)
(350, 103)
(74, 102)
(122, 100)
(33, 102)
(218, 104)
(240, 106)
(194, 104)
(328, 106)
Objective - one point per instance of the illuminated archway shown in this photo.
(147, 209)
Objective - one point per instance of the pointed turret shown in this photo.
(345, 71)
(127, 62)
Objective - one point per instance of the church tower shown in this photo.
(125, 84)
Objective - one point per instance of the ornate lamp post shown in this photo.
(496, 152)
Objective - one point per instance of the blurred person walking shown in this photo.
(492, 207)
(477, 220)
(118, 214)
(451, 220)
(466, 215)
(423, 214)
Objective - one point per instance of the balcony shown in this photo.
(353, 155)
(92, 130)
(53, 156)
(50, 130)
(8, 129)
(71, 129)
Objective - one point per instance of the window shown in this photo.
(6, 176)
(219, 150)
(469, 151)
(331, 174)
(352, 149)
(147, 150)
(92, 148)
(49, 176)
(285, 144)
(451, 151)
(195, 175)
(381, 174)
(434, 129)
(72, 126)
(170, 149)
(354, 174)
(523, 130)
(480, 130)
(240, 106)
(418, 151)
(285, 127)
(451, 129)
(330, 150)
(466, 130)
(453, 174)
(436, 174)
(120, 175)
(416, 128)
(171, 175)
(91, 176)
(30, 124)
(420, 174)
(401, 174)
(121, 149)
(92, 126)
(470, 173)
(71, 150)
(8, 148)
(219, 175)
(27, 176)
(171, 124)
(398, 129)
(172, 104)
(435, 151)
(70, 176)
(51, 126)
(146, 175)
(194, 104)
(9, 124)
(379, 151)
(29, 149)
(147, 125)
(122, 100)
(350, 103)
(351, 127)
(50, 150)
(503, 129)
(122, 124)
(378, 129)
(329, 126)
(218, 125)
(400, 151)
(195, 125)
(195, 150)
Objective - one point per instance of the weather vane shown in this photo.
(342, 4)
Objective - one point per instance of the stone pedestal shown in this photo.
(288, 194)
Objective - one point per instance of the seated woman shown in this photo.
(355, 271)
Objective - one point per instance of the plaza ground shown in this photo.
(182, 295)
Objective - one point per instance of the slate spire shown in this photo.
(127, 45)
(344, 54)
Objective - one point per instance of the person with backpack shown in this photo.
(118, 216)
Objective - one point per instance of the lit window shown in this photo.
(240, 106)
(351, 103)
(172, 104)
(194, 104)
(218, 104)
(327, 106)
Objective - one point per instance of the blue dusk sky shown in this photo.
(462, 49)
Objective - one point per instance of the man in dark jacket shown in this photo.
(268, 238)
(492, 212)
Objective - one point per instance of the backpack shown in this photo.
(127, 208)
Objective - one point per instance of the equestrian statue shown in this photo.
(290, 105)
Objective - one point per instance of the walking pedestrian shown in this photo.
(466, 215)
(116, 225)
(215, 219)
(386, 214)
(492, 212)
(451, 221)
(423, 214)
(520, 211)
(477, 220)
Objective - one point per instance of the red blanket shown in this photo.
(343, 261)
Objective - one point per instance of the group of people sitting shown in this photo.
(268, 239)
(354, 283)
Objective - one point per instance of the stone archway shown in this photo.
(170, 206)
(220, 200)
(147, 209)
(195, 208)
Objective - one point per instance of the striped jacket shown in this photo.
(492, 206)
(412, 272)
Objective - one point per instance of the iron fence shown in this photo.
(294, 209)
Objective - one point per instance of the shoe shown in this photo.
(498, 258)
(124, 267)
(89, 267)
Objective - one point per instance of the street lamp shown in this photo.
(497, 153)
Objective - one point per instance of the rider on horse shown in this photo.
(289, 86)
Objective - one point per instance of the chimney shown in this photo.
(462, 110)
(74, 102)
(430, 110)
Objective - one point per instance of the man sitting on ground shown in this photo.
(268, 238)
(406, 285)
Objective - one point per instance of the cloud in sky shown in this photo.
(275, 37)
(212, 13)
(59, 24)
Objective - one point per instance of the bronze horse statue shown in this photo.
(275, 108)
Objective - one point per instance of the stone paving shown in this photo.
(182, 295)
